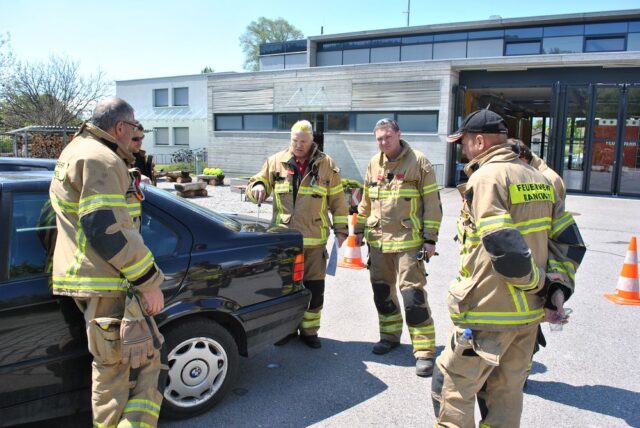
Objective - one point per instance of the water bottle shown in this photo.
(464, 340)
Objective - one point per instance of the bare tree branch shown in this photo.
(50, 93)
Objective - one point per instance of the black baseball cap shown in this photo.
(480, 122)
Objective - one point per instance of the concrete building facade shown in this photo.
(568, 85)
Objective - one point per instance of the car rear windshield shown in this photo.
(222, 219)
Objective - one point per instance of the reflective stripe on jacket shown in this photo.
(91, 177)
(503, 194)
(303, 203)
(400, 208)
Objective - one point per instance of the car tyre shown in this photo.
(203, 363)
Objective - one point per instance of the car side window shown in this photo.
(157, 235)
(33, 235)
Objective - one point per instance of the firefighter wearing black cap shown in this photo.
(401, 213)
(514, 234)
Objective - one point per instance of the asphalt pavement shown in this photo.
(587, 376)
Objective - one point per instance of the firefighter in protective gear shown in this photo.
(402, 212)
(512, 229)
(306, 185)
(526, 155)
(143, 161)
(100, 257)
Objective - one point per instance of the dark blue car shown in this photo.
(231, 288)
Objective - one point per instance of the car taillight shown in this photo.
(298, 267)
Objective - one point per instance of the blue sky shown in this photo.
(143, 38)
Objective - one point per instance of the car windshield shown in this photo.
(222, 219)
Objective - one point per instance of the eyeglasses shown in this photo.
(137, 125)
(391, 123)
(137, 139)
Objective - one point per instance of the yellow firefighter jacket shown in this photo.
(99, 250)
(301, 203)
(401, 203)
(510, 216)
(553, 177)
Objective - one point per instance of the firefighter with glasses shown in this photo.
(101, 261)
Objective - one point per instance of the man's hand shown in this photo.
(145, 179)
(259, 193)
(429, 249)
(340, 238)
(153, 301)
(558, 316)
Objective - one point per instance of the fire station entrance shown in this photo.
(588, 132)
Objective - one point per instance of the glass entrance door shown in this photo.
(604, 136)
(630, 164)
(572, 135)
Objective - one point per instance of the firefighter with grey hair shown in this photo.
(101, 261)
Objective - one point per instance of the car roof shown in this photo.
(26, 164)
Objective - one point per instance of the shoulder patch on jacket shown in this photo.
(60, 171)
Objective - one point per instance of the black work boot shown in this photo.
(286, 339)
(424, 367)
(311, 341)
(384, 346)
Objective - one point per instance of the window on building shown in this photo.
(449, 50)
(328, 58)
(181, 136)
(522, 48)
(449, 37)
(231, 122)
(606, 28)
(604, 44)
(258, 122)
(366, 121)
(180, 96)
(33, 230)
(160, 97)
(337, 121)
(161, 136)
(275, 62)
(561, 45)
(286, 120)
(356, 44)
(485, 48)
(355, 56)
(417, 40)
(418, 122)
(416, 52)
(633, 42)
(295, 60)
(387, 54)
(523, 33)
(564, 30)
(386, 41)
(634, 27)
(486, 34)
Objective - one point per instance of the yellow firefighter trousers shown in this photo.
(315, 269)
(403, 268)
(120, 396)
(493, 370)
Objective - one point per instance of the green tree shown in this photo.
(206, 70)
(265, 30)
(49, 93)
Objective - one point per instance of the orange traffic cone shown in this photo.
(352, 257)
(627, 291)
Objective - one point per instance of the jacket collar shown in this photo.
(498, 153)
(90, 130)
